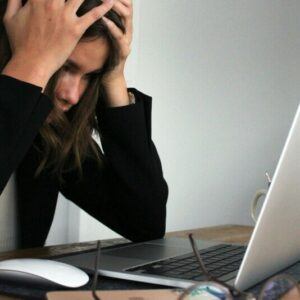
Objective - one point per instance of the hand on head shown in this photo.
(43, 33)
(125, 11)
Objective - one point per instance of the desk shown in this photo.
(227, 233)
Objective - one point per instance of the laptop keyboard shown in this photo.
(219, 261)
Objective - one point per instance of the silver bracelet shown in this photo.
(131, 98)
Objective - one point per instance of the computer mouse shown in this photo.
(42, 271)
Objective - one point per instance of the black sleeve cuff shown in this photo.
(132, 119)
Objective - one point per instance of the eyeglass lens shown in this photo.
(280, 287)
(206, 291)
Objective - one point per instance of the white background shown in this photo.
(224, 77)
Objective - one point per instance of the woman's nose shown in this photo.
(72, 96)
(71, 92)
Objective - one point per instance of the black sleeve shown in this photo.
(128, 193)
(23, 109)
(36, 201)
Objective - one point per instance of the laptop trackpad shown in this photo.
(146, 251)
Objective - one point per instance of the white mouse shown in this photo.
(44, 270)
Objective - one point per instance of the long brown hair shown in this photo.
(67, 139)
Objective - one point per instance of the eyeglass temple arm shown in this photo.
(210, 277)
(95, 278)
(200, 261)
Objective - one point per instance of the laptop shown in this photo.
(274, 246)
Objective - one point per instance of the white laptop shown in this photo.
(274, 245)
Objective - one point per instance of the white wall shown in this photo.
(9, 216)
(224, 79)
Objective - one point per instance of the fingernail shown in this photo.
(108, 1)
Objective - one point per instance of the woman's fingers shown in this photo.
(124, 9)
(114, 29)
(12, 7)
(127, 3)
(74, 4)
(96, 13)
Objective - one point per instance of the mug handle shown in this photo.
(257, 196)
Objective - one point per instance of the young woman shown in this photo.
(63, 80)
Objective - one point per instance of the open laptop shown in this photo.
(274, 245)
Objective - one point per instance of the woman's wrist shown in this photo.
(24, 70)
(116, 92)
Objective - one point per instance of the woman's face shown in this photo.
(87, 58)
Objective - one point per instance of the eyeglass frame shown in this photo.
(96, 268)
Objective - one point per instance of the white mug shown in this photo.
(259, 194)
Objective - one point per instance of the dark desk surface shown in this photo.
(225, 233)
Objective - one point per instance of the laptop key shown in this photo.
(228, 276)
(174, 275)
(187, 276)
(199, 278)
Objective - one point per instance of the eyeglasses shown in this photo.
(281, 286)
(96, 268)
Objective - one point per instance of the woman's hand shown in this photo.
(114, 82)
(43, 33)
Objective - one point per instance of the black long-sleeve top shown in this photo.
(127, 192)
